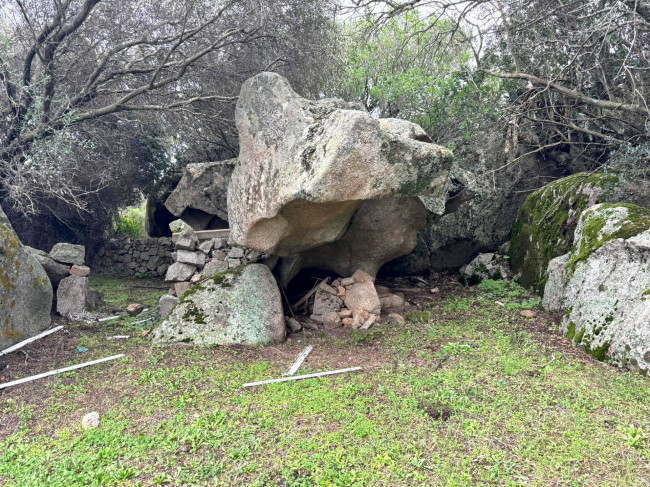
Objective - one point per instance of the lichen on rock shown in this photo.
(601, 285)
(25, 290)
(547, 221)
(241, 305)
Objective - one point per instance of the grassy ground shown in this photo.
(468, 392)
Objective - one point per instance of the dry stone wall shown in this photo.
(149, 257)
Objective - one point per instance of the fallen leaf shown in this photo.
(528, 313)
(144, 332)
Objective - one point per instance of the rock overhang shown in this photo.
(308, 171)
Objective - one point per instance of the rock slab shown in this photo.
(241, 306)
(202, 194)
(74, 295)
(68, 253)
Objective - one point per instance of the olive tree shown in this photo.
(98, 98)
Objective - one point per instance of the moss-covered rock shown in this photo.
(602, 285)
(239, 306)
(25, 290)
(547, 221)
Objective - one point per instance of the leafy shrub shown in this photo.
(129, 223)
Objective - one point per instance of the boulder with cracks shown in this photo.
(323, 184)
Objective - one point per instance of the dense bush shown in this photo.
(129, 223)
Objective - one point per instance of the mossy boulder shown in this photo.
(602, 285)
(239, 306)
(25, 290)
(546, 223)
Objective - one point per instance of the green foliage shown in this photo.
(129, 223)
(635, 436)
(419, 316)
(463, 400)
(398, 72)
(510, 293)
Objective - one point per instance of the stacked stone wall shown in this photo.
(150, 257)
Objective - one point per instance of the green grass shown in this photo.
(464, 394)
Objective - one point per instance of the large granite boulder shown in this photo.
(201, 197)
(546, 223)
(603, 285)
(324, 184)
(240, 306)
(487, 193)
(25, 290)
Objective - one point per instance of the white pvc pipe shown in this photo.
(299, 360)
(299, 377)
(59, 371)
(30, 340)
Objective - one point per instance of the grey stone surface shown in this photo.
(206, 246)
(326, 300)
(67, 253)
(392, 303)
(363, 296)
(179, 272)
(213, 267)
(74, 295)
(485, 266)
(187, 239)
(236, 253)
(80, 270)
(165, 305)
(603, 285)
(202, 194)
(311, 171)
(243, 306)
(25, 290)
(188, 257)
(55, 270)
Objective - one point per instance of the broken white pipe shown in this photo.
(300, 377)
(299, 360)
(116, 337)
(59, 371)
(109, 318)
(142, 321)
(30, 340)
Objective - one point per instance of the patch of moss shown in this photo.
(218, 279)
(194, 314)
(579, 336)
(571, 330)
(599, 353)
(545, 226)
(636, 221)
